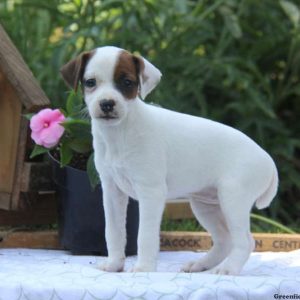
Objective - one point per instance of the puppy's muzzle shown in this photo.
(107, 105)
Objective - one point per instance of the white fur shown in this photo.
(151, 154)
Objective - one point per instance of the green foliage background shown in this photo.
(235, 61)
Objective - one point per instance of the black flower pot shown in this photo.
(81, 214)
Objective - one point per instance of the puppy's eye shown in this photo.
(90, 83)
(128, 83)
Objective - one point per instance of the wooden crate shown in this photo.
(201, 241)
(169, 241)
(20, 94)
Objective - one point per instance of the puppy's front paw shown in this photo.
(143, 268)
(113, 265)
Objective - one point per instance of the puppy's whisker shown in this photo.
(84, 114)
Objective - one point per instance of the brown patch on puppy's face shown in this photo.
(126, 75)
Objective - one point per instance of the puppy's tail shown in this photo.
(265, 199)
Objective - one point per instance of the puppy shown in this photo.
(152, 154)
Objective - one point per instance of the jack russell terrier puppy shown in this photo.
(152, 154)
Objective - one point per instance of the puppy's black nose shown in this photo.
(107, 106)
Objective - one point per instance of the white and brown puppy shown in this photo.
(152, 154)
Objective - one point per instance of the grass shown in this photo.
(180, 225)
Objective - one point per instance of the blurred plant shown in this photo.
(235, 61)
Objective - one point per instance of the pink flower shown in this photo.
(45, 127)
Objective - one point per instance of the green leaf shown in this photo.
(292, 11)
(28, 116)
(181, 6)
(92, 172)
(66, 154)
(81, 145)
(74, 103)
(294, 177)
(231, 22)
(38, 150)
(78, 128)
(262, 104)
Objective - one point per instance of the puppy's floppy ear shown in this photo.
(149, 76)
(72, 71)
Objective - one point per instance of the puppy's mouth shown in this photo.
(108, 117)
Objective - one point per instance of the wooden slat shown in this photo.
(276, 242)
(34, 240)
(179, 240)
(5, 200)
(177, 211)
(19, 75)
(15, 200)
(34, 210)
(201, 241)
(35, 177)
(10, 115)
(170, 241)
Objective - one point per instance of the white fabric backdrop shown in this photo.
(47, 274)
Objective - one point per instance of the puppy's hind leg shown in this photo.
(211, 218)
(236, 205)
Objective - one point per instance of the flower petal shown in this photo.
(49, 137)
(36, 136)
(36, 123)
(57, 115)
(45, 114)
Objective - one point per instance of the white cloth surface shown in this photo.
(27, 274)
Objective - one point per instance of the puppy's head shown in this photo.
(112, 79)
